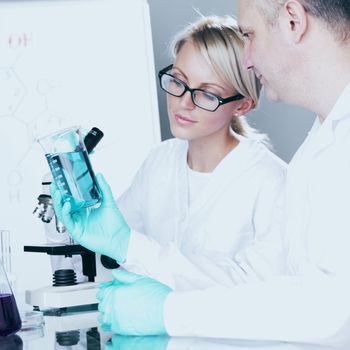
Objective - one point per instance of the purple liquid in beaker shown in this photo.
(10, 321)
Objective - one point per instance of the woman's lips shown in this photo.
(181, 119)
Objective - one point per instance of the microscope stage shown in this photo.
(63, 296)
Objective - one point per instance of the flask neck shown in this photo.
(5, 287)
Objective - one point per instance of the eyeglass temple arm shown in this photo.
(164, 70)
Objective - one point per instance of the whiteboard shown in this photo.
(64, 63)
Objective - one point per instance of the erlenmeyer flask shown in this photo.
(10, 321)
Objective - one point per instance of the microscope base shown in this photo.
(61, 297)
(71, 321)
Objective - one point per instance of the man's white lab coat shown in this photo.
(229, 234)
(314, 302)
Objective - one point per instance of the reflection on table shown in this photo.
(95, 339)
(91, 339)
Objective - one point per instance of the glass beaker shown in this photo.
(71, 169)
(10, 321)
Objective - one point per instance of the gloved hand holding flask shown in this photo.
(102, 229)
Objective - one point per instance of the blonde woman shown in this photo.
(205, 207)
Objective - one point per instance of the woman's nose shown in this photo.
(186, 100)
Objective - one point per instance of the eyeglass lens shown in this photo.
(200, 98)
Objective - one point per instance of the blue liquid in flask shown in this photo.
(10, 321)
(75, 178)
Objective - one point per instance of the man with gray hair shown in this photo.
(300, 50)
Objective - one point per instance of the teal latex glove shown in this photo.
(102, 230)
(132, 305)
(120, 342)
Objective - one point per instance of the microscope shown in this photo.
(77, 271)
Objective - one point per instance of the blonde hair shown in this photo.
(219, 40)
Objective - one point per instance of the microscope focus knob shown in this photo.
(108, 262)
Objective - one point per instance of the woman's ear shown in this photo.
(245, 105)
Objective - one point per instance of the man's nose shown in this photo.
(247, 63)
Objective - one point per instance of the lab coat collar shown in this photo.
(341, 108)
(225, 172)
(323, 135)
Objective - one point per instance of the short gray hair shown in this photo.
(334, 13)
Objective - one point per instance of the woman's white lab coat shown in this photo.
(314, 303)
(229, 234)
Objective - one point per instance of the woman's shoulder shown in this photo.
(267, 160)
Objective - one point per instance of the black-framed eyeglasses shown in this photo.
(201, 98)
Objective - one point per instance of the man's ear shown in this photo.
(246, 105)
(296, 19)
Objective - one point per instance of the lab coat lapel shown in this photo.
(181, 194)
(323, 138)
(301, 171)
(230, 168)
(300, 176)
(326, 133)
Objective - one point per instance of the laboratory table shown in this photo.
(95, 339)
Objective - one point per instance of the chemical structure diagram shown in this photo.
(14, 112)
